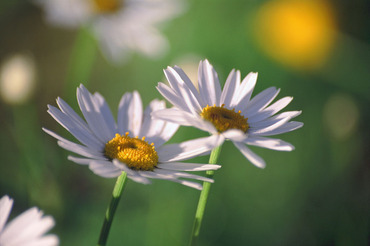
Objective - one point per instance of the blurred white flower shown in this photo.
(27, 229)
(230, 113)
(17, 79)
(134, 145)
(121, 26)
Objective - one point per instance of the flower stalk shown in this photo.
(81, 62)
(109, 214)
(203, 198)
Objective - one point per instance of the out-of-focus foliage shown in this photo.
(316, 195)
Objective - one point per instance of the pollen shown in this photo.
(107, 6)
(136, 153)
(224, 119)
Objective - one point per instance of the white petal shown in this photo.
(184, 166)
(271, 110)
(131, 174)
(188, 149)
(6, 204)
(269, 143)
(80, 133)
(241, 99)
(104, 169)
(167, 132)
(26, 226)
(155, 130)
(184, 175)
(209, 85)
(235, 135)
(92, 111)
(260, 101)
(48, 240)
(19, 224)
(130, 112)
(139, 179)
(66, 109)
(204, 125)
(75, 148)
(152, 127)
(106, 113)
(158, 174)
(272, 120)
(251, 156)
(34, 230)
(174, 115)
(190, 85)
(78, 160)
(172, 97)
(178, 85)
(288, 127)
(189, 184)
(183, 118)
(261, 131)
(229, 90)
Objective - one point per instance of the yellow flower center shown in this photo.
(224, 119)
(107, 6)
(136, 153)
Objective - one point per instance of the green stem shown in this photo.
(81, 62)
(109, 214)
(203, 198)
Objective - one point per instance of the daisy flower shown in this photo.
(27, 229)
(135, 144)
(230, 113)
(121, 26)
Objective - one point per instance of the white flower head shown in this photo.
(134, 144)
(27, 229)
(121, 26)
(230, 113)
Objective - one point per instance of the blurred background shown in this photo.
(316, 51)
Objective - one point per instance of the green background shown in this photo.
(318, 194)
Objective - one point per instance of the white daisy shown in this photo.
(27, 229)
(229, 113)
(133, 145)
(121, 26)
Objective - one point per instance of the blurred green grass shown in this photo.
(316, 195)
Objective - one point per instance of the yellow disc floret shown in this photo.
(136, 153)
(224, 119)
(107, 6)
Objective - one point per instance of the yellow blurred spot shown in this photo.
(298, 33)
(107, 6)
(17, 79)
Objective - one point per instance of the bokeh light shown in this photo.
(341, 116)
(298, 33)
(17, 79)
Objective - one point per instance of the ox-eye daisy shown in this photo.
(133, 145)
(27, 229)
(121, 26)
(230, 113)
